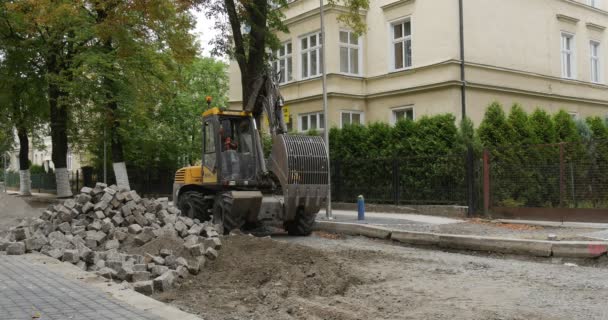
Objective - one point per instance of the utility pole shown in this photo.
(105, 172)
(328, 212)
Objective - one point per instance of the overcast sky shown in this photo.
(204, 31)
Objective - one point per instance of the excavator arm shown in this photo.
(299, 162)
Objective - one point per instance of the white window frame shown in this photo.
(594, 3)
(307, 51)
(285, 57)
(596, 59)
(568, 52)
(393, 119)
(317, 114)
(350, 116)
(350, 46)
(393, 41)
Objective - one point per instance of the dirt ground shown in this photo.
(324, 277)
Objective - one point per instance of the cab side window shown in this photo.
(209, 146)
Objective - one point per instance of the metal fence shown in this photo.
(432, 180)
(564, 181)
(148, 181)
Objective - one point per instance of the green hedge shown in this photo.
(423, 161)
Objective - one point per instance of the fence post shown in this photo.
(470, 177)
(562, 175)
(337, 180)
(486, 181)
(396, 179)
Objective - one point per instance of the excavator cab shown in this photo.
(228, 147)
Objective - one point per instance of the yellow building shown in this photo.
(545, 53)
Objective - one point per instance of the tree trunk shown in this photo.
(59, 140)
(25, 183)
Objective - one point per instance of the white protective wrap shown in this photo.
(120, 172)
(25, 183)
(62, 177)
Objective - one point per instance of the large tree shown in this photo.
(21, 80)
(262, 20)
(56, 31)
(134, 47)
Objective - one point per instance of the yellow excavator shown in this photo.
(236, 187)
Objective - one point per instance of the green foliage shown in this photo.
(543, 127)
(565, 127)
(494, 130)
(166, 133)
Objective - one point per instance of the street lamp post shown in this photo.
(328, 212)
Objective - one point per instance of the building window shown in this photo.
(594, 3)
(349, 52)
(351, 117)
(401, 114)
(573, 115)
(568, 70)
(283, 63)
(311, 121)
(596, 75)
(401, 40)
(311, 61)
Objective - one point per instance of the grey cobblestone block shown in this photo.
(211, 253)
(144, 287)
(165, 252)
(15, 248)
(159, 270)
(140, 276)
(21, 234)
(71, 256)
(135, 229)
(165, 281)
(214, 243)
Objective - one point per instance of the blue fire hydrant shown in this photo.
(360, 208)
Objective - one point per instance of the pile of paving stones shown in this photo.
(91, 230)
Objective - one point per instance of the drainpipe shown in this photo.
(463, 87)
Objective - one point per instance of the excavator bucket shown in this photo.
(301, 164)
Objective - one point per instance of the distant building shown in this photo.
(546, 53)
(42, 157)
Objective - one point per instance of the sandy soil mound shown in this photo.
(14, 209)
(260, 276)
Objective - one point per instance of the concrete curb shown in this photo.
(536, 248)
(353, 229)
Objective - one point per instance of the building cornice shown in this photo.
(591, 25)
(586, 6)
(565, 18)
(396, 4)
(316, 12)
(536, 75)
(482, 86)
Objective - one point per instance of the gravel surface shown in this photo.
(330, 277)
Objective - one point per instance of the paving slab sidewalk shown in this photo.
(473, 227)
(33, 286)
